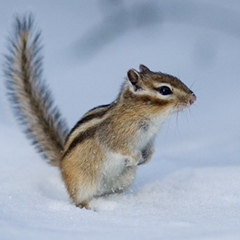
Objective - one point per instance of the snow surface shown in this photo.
(191, 188)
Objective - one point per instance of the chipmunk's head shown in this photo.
(159, 89)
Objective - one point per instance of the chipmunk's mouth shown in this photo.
(186, 103)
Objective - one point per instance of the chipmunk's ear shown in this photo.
(135, 78)
(144, 69)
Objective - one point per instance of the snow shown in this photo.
(191, 188)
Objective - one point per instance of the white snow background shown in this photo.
(191, 188)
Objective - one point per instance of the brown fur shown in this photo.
(117, 128)
(101, 153)
(29, 96)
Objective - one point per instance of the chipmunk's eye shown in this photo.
(164, 90)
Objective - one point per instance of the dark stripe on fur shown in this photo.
(28, 94)
(90, 116)
(83, 136)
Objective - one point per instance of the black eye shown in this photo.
(164, 90)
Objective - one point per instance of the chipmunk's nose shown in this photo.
(192, 99)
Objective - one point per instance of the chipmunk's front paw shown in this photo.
(146, 155)
(129, 162)
(133, 161)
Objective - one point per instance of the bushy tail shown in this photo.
(29, 96)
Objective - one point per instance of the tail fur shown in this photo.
(29, 96)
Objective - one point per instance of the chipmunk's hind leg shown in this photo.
(83, 195)
(84, 205)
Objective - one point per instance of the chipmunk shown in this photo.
(102, 152)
